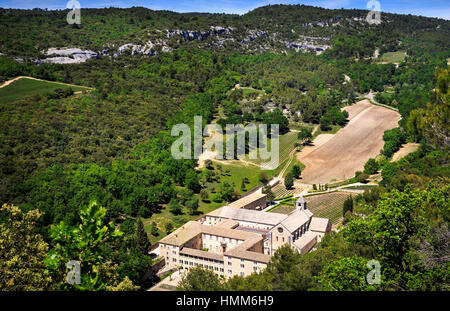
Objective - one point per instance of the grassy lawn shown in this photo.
(165, 216)
(327, 205)
(248, 90)
(27, 87)
(294, 161)
(234, 177)
(286, 145)
(235, 171)
(392, 57)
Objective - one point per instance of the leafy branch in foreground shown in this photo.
(82, 243)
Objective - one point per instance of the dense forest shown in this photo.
(81, 168)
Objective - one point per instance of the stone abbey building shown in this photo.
(238, 241)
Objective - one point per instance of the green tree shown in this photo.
(263, 178)
(394, 228)
(125, 286)
(175, 207)
(192, 205)
(169, 227)
(199, 279)
(296, 171)
(289, 181)
(346, 274)
(83, 243)
(243, 185)
(226, 191)
(347, 206)
(154, 230)
(204, 195)
(22, 252)
(141, 240)
(371, 167)
(191, 181)
(305, 135)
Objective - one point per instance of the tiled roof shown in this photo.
(183, 234)
(247, 199)
(228, 223)
(252, 215)
(305, 242)
(241, 251)
(319, 224)
(295, 220)
(200, 253)
(193, 228)
(215, 213)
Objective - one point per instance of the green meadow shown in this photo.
(25, 87)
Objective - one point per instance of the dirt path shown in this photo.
(339, 156)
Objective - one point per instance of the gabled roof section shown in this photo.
(319, 224)
(295, 220)
(242, 214)
(306, 241)
(247, 200)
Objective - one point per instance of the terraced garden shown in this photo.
(280, 191)
(327, 205)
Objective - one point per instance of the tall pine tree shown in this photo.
(140, 237)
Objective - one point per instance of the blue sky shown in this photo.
(433, 8)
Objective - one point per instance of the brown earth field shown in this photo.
(338, 157)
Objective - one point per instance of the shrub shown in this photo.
(371, 167)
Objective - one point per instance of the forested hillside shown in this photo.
(296, 66)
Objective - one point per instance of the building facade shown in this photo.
(238, 241)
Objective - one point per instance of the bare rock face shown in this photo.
(136, 49)
(67, 56)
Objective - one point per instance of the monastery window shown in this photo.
(255, 268)
(242, 266)
(229, 271)
(229, 263)
(242, 274)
